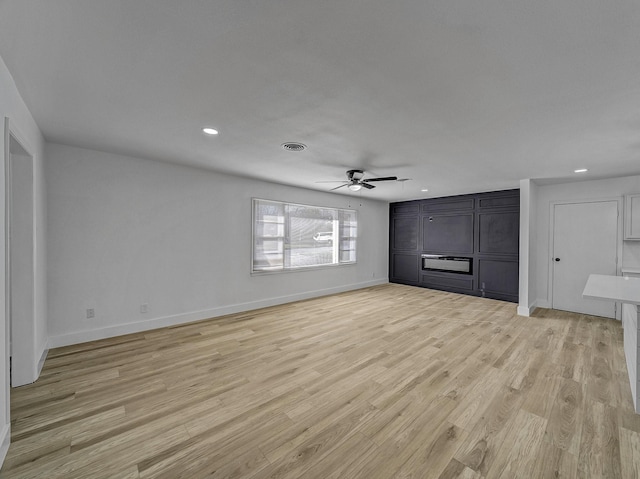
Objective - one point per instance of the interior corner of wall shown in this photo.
(543, 303)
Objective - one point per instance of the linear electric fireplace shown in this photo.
(449, 264)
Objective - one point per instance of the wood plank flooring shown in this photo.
(386, 382)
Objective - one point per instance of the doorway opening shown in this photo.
(20, 258)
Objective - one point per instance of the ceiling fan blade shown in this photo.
(366, 185)
(344, 184)
(386, 178)
(331, 181)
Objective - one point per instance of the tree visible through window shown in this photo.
(290, 236)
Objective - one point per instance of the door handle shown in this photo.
(557, 259)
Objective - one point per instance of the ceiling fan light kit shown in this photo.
(355, 175)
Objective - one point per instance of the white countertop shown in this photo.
(616, 288)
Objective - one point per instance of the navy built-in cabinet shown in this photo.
(479, 231)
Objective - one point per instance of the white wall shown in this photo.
(126, 231)
(583, 190)
(528, 245)
(13, 107)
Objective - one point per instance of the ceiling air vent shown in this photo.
(293, 146)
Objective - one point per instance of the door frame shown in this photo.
(552, 206)
(23, 371)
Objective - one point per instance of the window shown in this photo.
(288, 236)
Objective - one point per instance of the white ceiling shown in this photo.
(458, 95)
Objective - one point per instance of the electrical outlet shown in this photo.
(91, 313)
(144, 308)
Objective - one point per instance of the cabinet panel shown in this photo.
(405, 267)
(499, 202)
(448, 233)
(437, 206)
(404, 233)
(630, 343)
(405, 209)
(498, 276)
(499, 233)
(444, 281)
(632, 217)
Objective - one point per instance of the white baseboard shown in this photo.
(30, 373)
(543, 303)
(161, 322)
(526, 310)
(43, 357)
(5, 437)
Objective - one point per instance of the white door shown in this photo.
(585, 241)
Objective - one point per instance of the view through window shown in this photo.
(290, 236)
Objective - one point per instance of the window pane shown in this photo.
(348, 235)
(310, 241)
(290, 236)
(268, 236)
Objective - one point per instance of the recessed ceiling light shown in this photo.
(424, 190)
(210, 131)
(581, 170)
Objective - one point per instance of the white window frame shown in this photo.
(351, 239)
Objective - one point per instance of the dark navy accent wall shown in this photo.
(483, 226)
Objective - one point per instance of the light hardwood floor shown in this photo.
(385, 382)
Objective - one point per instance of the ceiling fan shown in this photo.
(356, 181)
